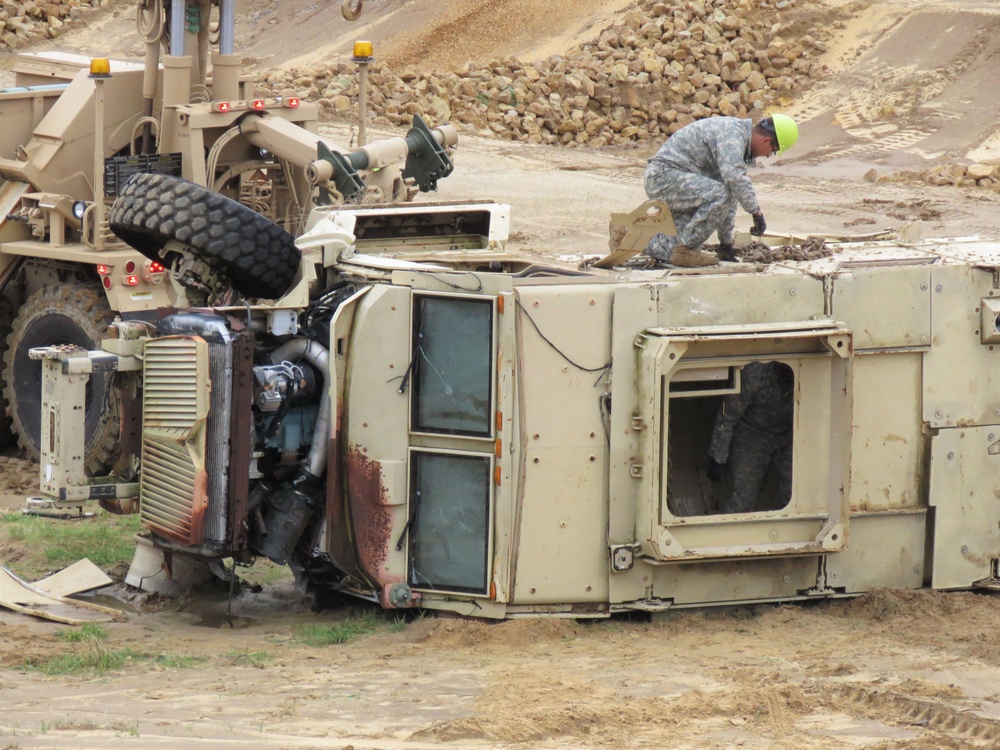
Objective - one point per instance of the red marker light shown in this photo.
(152, 272)
(103, 270)
(258, 104)
(132, 280)
(292, 102)
(130, 267)
(221, 106)
(107, 282)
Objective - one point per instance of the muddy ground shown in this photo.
(906, 670)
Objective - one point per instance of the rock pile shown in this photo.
(660, 67)
(23, 24)
(983, 174)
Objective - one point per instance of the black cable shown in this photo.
(456, 286)
(556, 349)
(416, 353)
(232, 590)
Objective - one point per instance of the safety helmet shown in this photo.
(786, 132)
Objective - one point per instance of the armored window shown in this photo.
(449, 521)
(451, 365)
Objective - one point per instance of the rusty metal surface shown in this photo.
(340, 545)
(370, 518)
(131, 422)
(239, 457)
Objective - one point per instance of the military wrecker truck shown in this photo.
(185, 112)
(428, 420)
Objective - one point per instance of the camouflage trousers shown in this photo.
(699, 206)
(751, 454)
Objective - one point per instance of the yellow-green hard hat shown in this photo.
(785, 130)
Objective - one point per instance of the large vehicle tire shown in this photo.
(258, 257)
(69, 314)
(6, 322)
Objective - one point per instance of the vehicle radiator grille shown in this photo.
(173, 481)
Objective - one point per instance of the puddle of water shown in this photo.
(107, 600)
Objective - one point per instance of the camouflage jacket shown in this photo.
(716, 147)
(765, 403)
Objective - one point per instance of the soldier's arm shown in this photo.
(733, 408)
(729, 150)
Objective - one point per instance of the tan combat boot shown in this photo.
(684, 257)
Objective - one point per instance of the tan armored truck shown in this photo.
(427, 420)
(184, 112)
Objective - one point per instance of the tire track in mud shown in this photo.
(958, 729)
(874, 146)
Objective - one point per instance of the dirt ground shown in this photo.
(911, 84)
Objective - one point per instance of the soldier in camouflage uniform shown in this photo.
(753, 431)
(701, 173)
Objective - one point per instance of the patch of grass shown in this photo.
(264, 573)
(339, 632)
(245, 658)
(65, 725)
(123, 729)
(398, 625)
(86, 633)
(94, 661)
(47, 543)
(94, 656)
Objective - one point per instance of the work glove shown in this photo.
(726, 252)
(759, 225)
(714, 471)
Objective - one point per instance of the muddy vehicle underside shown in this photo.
(426, 420)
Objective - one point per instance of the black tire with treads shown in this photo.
(258, 257)
(71, 313)
(6, 323)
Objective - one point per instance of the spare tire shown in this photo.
(258, 257)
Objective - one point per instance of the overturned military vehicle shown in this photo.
(427, 420)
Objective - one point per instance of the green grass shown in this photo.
(339, 632)
(264, 573)
(398, 625)
(47, 543)
(89, 632)
(96, 659)
(245, 658)
(94, 656)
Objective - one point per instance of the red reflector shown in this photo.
(258, 104)
(130, 267)
(292, 101)
(221, 106)
(103, 270)
(155, 267)
(131, 280)
(107, 282)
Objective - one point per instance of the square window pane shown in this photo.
(452, 344)
(449, 505)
